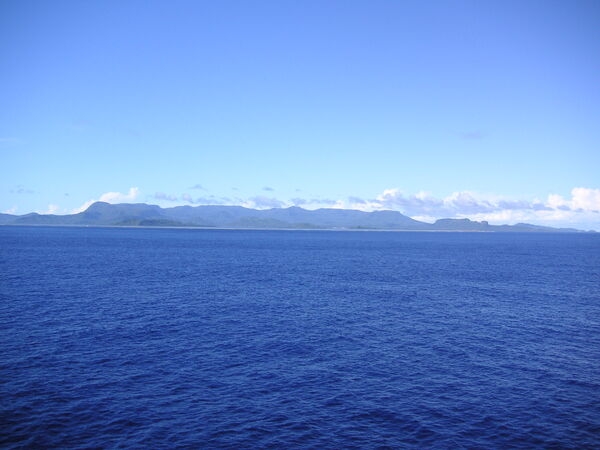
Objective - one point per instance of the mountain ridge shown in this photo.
(222, 216)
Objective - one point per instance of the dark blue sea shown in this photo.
(182, 338)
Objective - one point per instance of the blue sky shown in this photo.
(487, 110)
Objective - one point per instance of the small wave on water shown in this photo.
(270, 339)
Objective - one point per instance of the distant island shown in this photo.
(213, 216)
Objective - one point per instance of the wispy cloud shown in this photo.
(187, 198)
(52, 209)
(299, 201)
(165, 197)
(357, 200)
(325, 201)
(262, 202)
(268, 189)
(198, 187)
(208, 200)
(422, 203)
(20, 189)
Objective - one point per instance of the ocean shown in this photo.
(190, 338)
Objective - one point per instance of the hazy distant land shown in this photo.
(213, 216)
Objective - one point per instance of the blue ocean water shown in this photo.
(175, 338)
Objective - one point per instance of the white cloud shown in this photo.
(389, 195)
(262, 202)
(585, 199)
(556, 201)
(581, 210)
(582, 199)
(118, 197)
(359, 204)
(187, 198)
(427, 219)
(12, 210)
(313, 203)
(468, 203)
(111, 197)
(83, 207)
(52, 209)
(340, 204)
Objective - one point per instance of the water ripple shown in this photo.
(238, 339)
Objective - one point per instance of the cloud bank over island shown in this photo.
(583, 206)
(581, 209)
